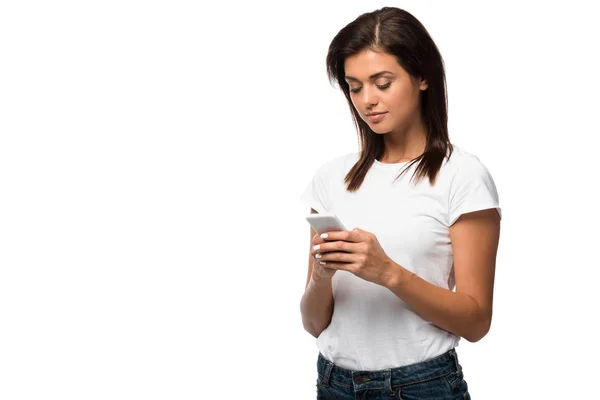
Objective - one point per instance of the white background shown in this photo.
(152, 154)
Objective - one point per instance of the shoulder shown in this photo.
(463, 162)
(467, 173)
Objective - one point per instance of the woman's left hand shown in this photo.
(358, 252)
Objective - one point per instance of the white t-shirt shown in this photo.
(371, 328)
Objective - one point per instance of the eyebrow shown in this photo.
(377, 75)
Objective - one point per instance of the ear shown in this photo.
(423, 85)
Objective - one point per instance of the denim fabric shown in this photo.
(439, 378)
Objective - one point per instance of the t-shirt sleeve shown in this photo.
(472, 189)
(316, 193)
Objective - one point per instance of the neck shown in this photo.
(405, 143)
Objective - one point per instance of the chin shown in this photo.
(379, 129)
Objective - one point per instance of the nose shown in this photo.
(369, 97)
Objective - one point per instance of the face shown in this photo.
(394, 93)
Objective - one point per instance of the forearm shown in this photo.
(316, 305)
(454, 312)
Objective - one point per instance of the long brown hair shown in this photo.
(399, 33)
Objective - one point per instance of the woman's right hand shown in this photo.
(320, 271)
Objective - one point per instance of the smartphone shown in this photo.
(322, 223)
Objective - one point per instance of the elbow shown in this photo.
(479, 330)
(308, 325)
(312, 330)
(311, 327)
(480, 322)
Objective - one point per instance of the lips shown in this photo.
(376, 113)
(376, 117)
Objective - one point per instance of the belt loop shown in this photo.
(327, 373)
(387, 374)
(455, 357)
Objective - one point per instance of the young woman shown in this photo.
(379, 298)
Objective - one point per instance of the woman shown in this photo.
(379, 298)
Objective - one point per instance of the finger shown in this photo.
(344, 266)
(347, 236)
(337, 257)
(317, 239)
(340, 245)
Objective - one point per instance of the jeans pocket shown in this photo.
(458, 384)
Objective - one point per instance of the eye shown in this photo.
(382, 87)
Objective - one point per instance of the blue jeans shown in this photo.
(439, 378)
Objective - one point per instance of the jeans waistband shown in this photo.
(430, 369)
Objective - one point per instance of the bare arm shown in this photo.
(316, 305)
(468, 312)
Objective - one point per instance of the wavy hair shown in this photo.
(399, 33)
